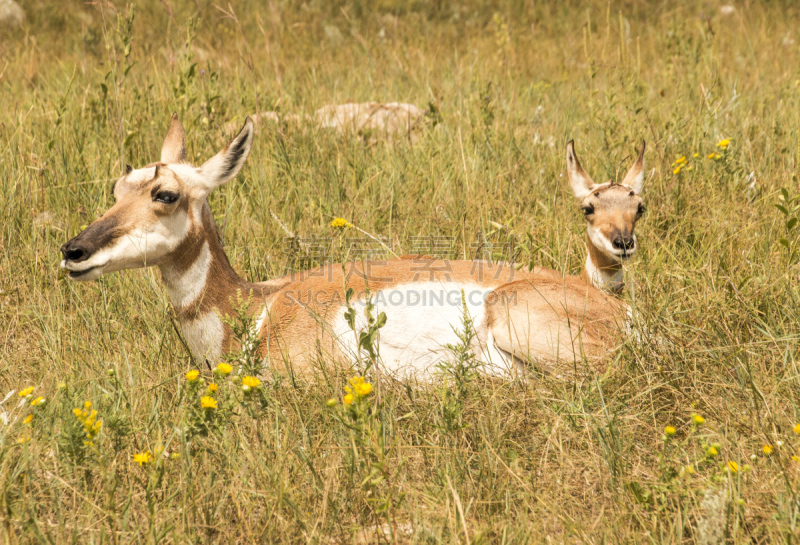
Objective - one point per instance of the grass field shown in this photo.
(89, 87)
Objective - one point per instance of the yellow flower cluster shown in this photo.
(669, 431)
(91, 425)
(26, 392)
(681, 163)
(192, 375)
(340, 223)
(143, 458)
(223, 369)
(249, 384)
(767, 450)
(358, 389)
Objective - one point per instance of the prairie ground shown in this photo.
(712, 88)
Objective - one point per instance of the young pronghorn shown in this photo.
(161, 217)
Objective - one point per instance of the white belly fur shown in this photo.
(422, 318)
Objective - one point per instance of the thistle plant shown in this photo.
(245, 336)
(461, 369)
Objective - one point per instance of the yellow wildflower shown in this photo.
(696, 155)
(26, 392)
(669, 431)
(213, 387)
(677, 170)
(208, 402)
(767, 450)
(733, 466)
(724, 143)
(23, 439)
(91, 424)
(689, 470)
(364, 389)
(252, 382)
(37, 401)
(192, 375)
(340, 223)
(28, 419)
(795, 458)
(797, 428)
(223, 369)
(711, 452)
(681, 160)
(697, 419)
(142, 458)
(348, 399)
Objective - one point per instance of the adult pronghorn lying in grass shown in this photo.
(161, 217)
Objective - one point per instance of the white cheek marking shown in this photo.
(184, 289)
(421, 318)
(601, 242)
(142, 247)
(204, 336)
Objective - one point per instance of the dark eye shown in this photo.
(641, 209)
(588, 210)
(167, 197)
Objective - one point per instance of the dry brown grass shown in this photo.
(521, 462)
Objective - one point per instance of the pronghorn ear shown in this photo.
(227, 163)
(580, 181)
(174, 148)
(635, 177)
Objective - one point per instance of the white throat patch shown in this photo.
(184, 288)
(601, 279)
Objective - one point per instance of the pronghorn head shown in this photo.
(157, 207)
(612, 209)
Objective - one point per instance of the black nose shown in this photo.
(623, 242)
(73, 252)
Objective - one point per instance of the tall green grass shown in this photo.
(86, 89)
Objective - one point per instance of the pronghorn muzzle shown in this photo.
(97, 236)
(624, 242)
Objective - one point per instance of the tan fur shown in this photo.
(537, 318)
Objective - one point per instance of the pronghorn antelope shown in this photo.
(161, 217)
(390, 121)
(612, 210)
